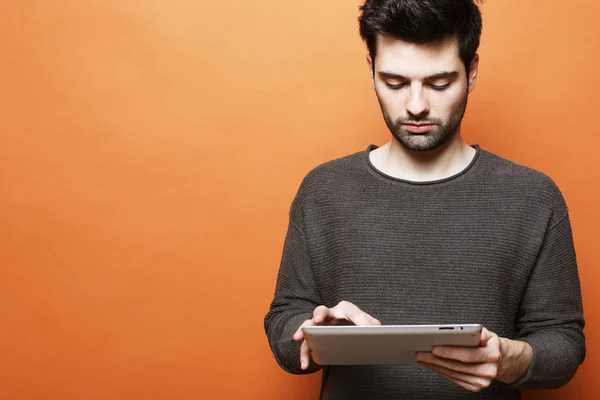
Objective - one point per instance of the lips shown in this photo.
(422, 128)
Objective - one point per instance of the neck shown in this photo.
(421, 166)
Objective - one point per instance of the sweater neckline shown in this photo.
(381, 174)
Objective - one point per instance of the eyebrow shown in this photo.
(440, 75)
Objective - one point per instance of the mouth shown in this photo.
(419, 128)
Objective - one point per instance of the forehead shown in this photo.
(417, 60)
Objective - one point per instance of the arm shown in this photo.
(551, 316)
(550, 344)
(296, 297)
(296, 304)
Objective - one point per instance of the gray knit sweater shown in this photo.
(491, 245)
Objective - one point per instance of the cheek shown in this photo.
(392, 102)
(446, 103)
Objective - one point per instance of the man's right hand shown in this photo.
(344, 311)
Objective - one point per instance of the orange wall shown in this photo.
(149, 152)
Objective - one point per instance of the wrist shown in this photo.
(515, 362)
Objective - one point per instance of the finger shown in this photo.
(468, 354)
(360, 319)
(320, 314)
(460, 382)
(352, 313)
(374, 321)
(304, 355)
(463, 384)
(475, 381)
(299, 334)
(483, 370)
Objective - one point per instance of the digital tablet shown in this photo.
(387, 344)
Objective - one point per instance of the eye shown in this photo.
(395, 87)
(440, 87)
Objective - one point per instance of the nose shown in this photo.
(417, 105)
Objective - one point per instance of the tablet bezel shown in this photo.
(384, 344)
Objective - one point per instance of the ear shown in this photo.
(473, 70)
(371, 69)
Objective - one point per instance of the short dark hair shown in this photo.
(422, 21)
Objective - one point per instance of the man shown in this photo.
(427, 229)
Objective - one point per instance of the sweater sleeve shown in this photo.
(551, 313)
(296, 297)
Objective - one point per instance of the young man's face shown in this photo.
(422, 90)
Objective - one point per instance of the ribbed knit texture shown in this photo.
(491, 245)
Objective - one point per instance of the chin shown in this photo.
(423, 143)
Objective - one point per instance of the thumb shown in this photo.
(486, 335)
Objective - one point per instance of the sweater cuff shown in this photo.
(547, 369)
(517, 384)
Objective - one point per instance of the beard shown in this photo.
(441, 133)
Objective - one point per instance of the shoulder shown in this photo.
(336, 172)
(525, 182)
(510, 172)
(330, 180)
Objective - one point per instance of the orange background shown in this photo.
(149, 152)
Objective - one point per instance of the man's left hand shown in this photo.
(474, 368)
